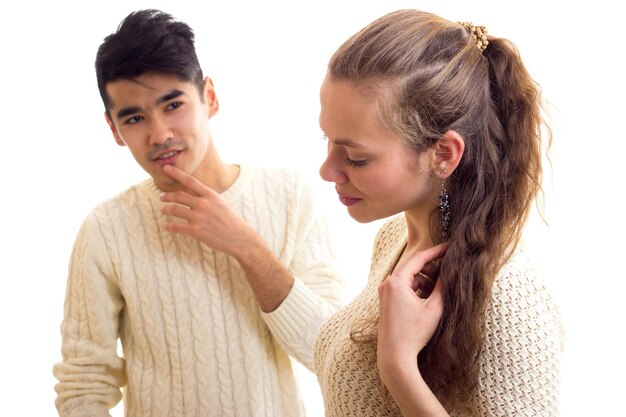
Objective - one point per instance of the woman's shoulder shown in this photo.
(520, 298)
(523, 342)
(518, 277)
(391, 234)
(389, 242)
(392, 230)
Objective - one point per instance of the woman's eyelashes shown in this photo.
(355, 163)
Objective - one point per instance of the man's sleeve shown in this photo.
(91, 373)
(317, 292)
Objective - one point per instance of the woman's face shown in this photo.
(376, 175)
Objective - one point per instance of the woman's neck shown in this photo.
(418, 227)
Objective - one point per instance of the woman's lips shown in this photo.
(347, 199)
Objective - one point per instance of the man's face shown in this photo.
(163, 121)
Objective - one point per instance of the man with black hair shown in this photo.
(210, 274)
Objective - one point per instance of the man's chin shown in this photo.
(165, 183)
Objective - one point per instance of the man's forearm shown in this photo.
(269, 280)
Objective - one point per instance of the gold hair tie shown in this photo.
(478, 34)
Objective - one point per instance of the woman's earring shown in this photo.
(444, 208)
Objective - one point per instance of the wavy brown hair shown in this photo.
(428, 77)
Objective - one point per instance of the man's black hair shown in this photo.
(148, 41)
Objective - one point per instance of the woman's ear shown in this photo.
(448, 152)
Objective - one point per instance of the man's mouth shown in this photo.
(168, 157)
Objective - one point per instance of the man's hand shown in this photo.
(208, 218)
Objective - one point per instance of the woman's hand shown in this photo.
(406, 324)
(406, 321)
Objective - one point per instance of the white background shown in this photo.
(267, 60)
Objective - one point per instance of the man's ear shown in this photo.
(116, 135)
(211, 97)
(448, 152)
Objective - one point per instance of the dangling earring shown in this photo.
(444, 208)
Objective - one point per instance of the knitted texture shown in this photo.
(194, 341)
(519, 363)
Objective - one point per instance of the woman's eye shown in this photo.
(355, 163)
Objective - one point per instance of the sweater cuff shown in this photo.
(296, 321)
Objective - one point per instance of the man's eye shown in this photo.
(133, 120)
(174, 105)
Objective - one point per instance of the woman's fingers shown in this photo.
(426, 279)
(417, 262)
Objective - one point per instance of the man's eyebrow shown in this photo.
(127, 111)
(169, 96)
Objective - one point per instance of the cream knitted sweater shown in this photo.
(519, 364)
(194, 340)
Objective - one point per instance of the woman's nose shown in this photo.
(331, 171)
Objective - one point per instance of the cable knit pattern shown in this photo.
(195, 342)
(519, 363)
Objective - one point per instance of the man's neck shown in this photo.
(225, 176)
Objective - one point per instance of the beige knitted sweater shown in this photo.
(519, 364)
(194, 340)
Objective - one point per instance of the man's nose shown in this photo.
(160, 131)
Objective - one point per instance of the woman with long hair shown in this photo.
(438, 126)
